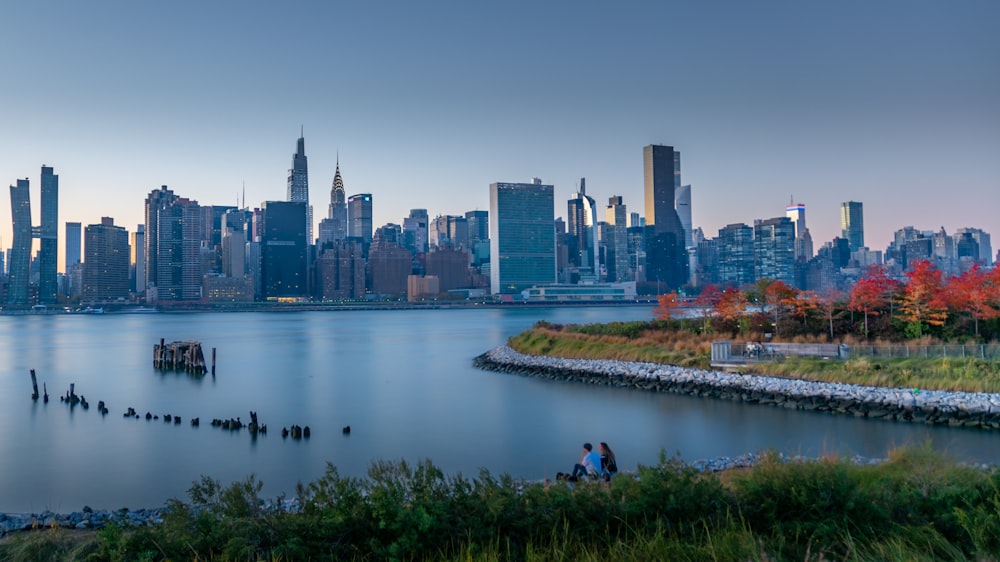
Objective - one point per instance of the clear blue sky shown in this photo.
(893, 103)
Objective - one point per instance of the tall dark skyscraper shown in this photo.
(298, 183)
(666, 257)
(49, 235)
(581, 225)
(74, 237)
(283, 250)
(20, 249)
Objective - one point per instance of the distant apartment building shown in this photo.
(106, 262)
(774, 250)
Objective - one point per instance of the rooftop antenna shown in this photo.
(244, 194)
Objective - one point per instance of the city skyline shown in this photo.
(822, 103)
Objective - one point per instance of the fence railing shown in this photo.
(749, 352)
(982, 351)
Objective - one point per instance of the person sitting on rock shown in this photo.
(589, 465)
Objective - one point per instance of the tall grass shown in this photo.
(918, 505)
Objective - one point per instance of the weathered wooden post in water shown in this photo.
(45, 396)
(213, 361)
(34, 386)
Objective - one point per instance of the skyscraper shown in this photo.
(178, 258)
(682, 201)
(666, 255)
(479, 226)
(796, 212)
(156, 201)
(74, 238)
(774, 249)
(49, 233)
(522, 237)
(138, 250)
(298, 183)
(334, 227)
(852, 224)
(106, 262)
(582, 233)
(615, 240)
(415, 231)
(735, 255)
(20, 249)
(283, 250)
(359, 216)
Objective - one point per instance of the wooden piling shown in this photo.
(213, 361)
(34, 386)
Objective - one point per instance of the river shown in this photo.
(403, 381)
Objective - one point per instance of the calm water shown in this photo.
(402, 379)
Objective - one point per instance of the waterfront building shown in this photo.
(582, 292)
(298, 183)
(852, 224)
(388, 267)
(774, 250)
(421, 287)
(138, 259)
(234, 242)
(105, 263)
(359, 217)
(48, 254)
(522, 237)
(220, 288)
(283, 250)
(19, 264)
(178, 250)
(340, 271)
(156, 201)
(736, 255)
(666, 254)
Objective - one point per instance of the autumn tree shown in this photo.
(923, 302)
(871, 293)
(776, 297)
(830, 303)
(975, 292)
(705, 303)
(731, 306)
(667, 306)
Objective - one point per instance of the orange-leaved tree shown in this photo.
(667, 306)
(731, 306)
(705, 303)
(923, 302)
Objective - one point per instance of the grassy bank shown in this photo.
(663, 342)
(916, 506)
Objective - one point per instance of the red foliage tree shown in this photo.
(731, 306)
(871, 293)
(975, 292)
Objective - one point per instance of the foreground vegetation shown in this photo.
(916, 506)
(682, 342)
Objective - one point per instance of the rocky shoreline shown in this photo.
(960, 409)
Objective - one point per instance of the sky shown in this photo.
(893, 103)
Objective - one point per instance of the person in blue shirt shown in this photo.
(590, 463)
